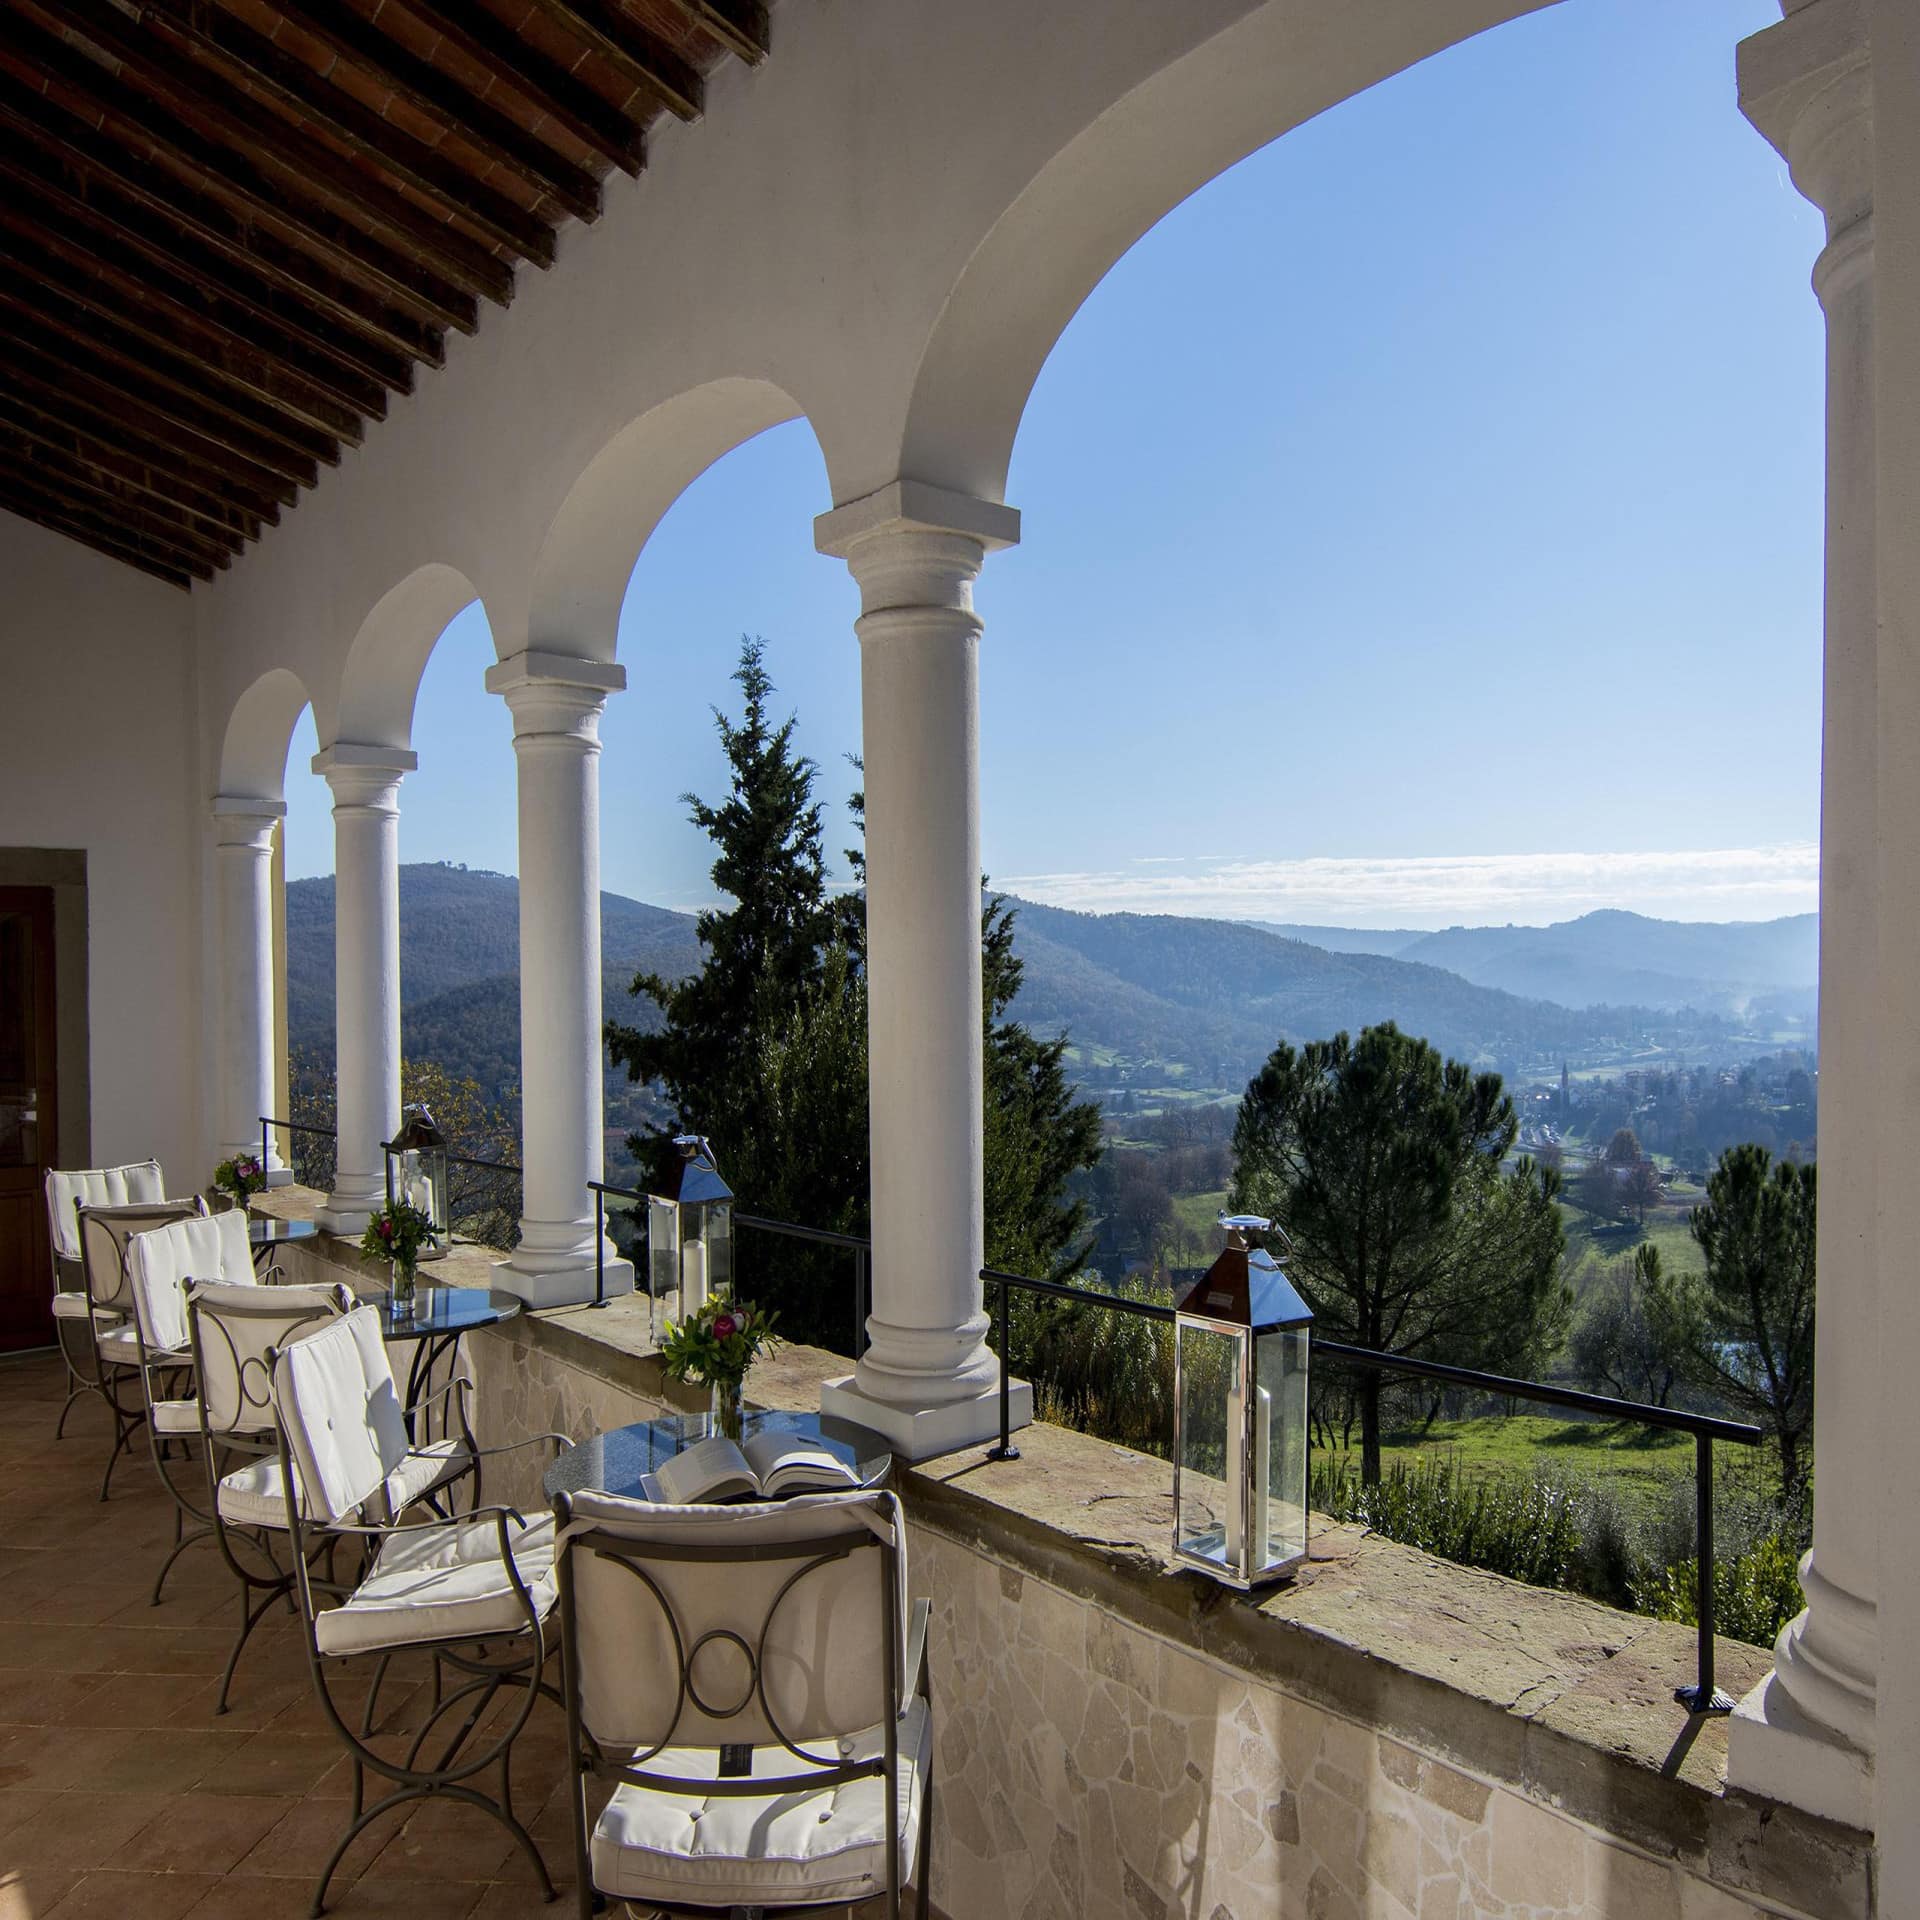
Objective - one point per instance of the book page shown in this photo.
(712, 1469)
(786, 1461)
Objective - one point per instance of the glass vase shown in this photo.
(400, 1296)
(729, 1410)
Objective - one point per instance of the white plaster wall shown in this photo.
(99, 718)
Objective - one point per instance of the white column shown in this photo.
(243, 882)
(366, 971)
(556, 704)
(927, 1382)
(1807, 1734)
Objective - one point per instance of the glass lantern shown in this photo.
(1240, 1339)
(417, 1173)
(690, 1228)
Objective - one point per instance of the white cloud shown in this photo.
(1731, 883)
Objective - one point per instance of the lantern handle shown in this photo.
(1245, 1225)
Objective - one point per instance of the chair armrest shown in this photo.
(919, 1615)
(560, 1440)
(440, 1393)
(413, 1526)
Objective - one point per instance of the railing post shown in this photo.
(1006, 1450)
(600, 1249)
(860, 1308)
(1703, 1696)
(265, 1150)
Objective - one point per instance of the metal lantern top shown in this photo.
(418, 1134)
(694, 1180)
(1245, 1286)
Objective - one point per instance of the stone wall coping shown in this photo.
(1546, 1692)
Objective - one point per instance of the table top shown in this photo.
(265, 1230)
(439, 1311)
(613, 1462)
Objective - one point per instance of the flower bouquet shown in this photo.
(243, 1176)
(395, 1234)
(713, 1347)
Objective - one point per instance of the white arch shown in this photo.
(258, 733)
(381, 678)
(1133, 163)
(610, 512)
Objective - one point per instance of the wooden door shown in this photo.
(29, 1125)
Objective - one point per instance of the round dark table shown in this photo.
(266, 1232)
(613, 1462)
(435, 1320)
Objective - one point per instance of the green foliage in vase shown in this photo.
(717, 1343)
(396, 1233)
(242, 1176)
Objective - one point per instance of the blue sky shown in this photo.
(1422, 524)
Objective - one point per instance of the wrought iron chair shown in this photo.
(74, 1315)
(232, 1328)
(161, 1263)
(477, 1594)
(105, 1233)
(721, 1671)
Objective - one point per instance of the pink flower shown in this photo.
(725, 1326)
(386, 1229)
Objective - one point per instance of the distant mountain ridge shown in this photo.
(1160, 999)
(1612, 957)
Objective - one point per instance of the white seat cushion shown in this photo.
(175, 1416)
(120, 1346)
(256, 1496)
(443, 1583)
(73, 1306)
(825, 1845)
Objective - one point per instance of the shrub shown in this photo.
(1525, 1525)
(1755, 1592)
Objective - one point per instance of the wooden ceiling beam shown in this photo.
(217, 39)
(262, 358)
(152, 133)
(638, 57)
(102, 532)
(70, 341)
(120, 231)
(569, 103)
(304, 164)
(153, 475)
(266, 395)
(97, 492)
(98, 408)
(425, 88)
(739, 25)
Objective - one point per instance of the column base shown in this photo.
(1778, 1752)
(348, 1222)
(921, 1433)
(562, 1286)
(279, 1176)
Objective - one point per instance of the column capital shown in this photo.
(911, 545)
(245, 821)
(365, 776)
(1805, 83)
(555, 696)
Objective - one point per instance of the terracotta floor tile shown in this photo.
(50, 1649)
(18, 1804)
(253, 1897)
(149, 1700)
(273, 1762)
(448, 1841)
(109, 1894)
(50, 1699)
(170, 1759)
(299, 1845)
(58, 1757)
(81, 1830)
(202, 1833)
(32, 1894)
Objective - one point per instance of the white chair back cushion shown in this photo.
(96, 1187)
(817, 1647)
(345, 1428)
(236, 1326)
(105, 1233)
(163, 1261)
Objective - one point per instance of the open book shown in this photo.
(770, 1466)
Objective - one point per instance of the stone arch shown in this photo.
(381, 679)
(611, 510)
(259, 731)
(1129, 166)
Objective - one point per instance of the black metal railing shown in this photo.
(1703, 1696)
(860, 1247)
(469, 1161)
